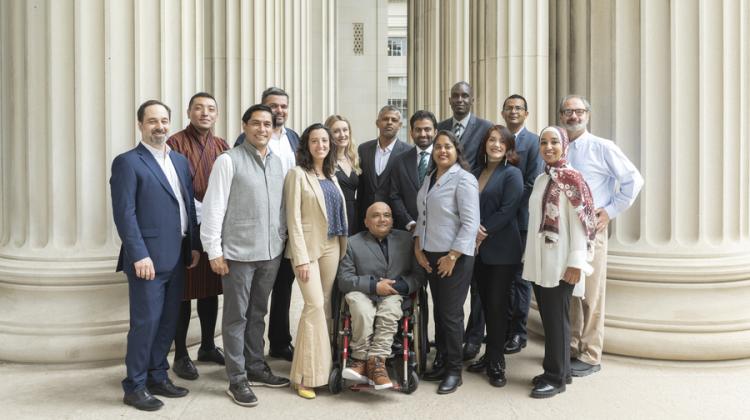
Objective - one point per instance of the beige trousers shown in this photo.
(312, 354)
(587, 315)
(373, 325)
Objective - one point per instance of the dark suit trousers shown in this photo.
(554, 308)
(281, 298)
(518, 313)
(448, 297)
(495, 283)
(475, 327)
(154, 310)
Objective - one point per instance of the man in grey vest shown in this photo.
(243, 232)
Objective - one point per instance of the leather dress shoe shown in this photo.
(168, 389)
(470, 351)
(449, 384)
(436, 374)
(514, 345)
(538, 378)
(496, 374)
(286, 353)
(479, 366)
(545, 390)
(215, 355)
(185, 369)
(142, 400)
(579, 368)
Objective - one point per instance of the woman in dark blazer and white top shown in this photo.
(498, 241)
(445, 240)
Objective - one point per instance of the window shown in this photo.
(397, 98)
(397, 47)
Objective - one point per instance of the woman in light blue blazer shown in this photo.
(445, 239)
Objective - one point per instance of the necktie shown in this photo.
(422, 169)
(458, 130)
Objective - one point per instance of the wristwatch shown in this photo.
(452, 257)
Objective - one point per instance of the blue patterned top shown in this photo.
(334, 208)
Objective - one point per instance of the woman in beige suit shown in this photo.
(316, 219)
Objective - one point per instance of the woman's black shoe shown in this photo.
(496, 374)
(479, 366)
(449, 384)
(545, 390)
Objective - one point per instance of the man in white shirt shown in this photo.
(376, 159)
(615, 183)
(243, 232)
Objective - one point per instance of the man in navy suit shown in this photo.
(470, 131)
(283, 143)
(514, 112)
(153, 208)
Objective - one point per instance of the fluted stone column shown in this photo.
(251, 45)
(668, 82)
(73, 73)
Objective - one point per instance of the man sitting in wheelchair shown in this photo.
(378, 269)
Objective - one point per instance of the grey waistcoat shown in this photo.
(254, 226)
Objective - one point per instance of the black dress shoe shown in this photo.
(286, 353)
(449, 384)
(142, 400)
(514, 345)
(185, 369)
(434, 375)
(215, 355)
(470, 351)
(478, 366)
(168, 389)
(545, 390)
(538, 378)
(496, 374)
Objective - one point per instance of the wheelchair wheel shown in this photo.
(413, 382)
(335, 383)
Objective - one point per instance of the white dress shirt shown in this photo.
(612, 177)
(165, 163)
(279, 145)
(382, 156)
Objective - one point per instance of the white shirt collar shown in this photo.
(520, 130)
(464, 123)
(159, 154)
(388, 148)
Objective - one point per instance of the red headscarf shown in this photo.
(565, 179)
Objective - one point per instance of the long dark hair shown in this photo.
(507, 138)
(304, 157)
(459, 150)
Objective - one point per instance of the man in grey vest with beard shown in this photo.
(243, 232)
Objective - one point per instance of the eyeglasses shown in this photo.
(514, 108)
(579, 112)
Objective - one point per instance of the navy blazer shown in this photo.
(498, 210)
(531, 165)
(471, 137)
(146, 212)
(290, 134)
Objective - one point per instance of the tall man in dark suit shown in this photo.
(376, 159)
(283, 143)
(470, 131)
(410, 169)
(153, 208)
(515, 110)
(378, 269)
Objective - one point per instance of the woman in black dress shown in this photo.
(347, 166)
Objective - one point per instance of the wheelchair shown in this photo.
(408, 359)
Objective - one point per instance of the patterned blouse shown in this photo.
(334, 209)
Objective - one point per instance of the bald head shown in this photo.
(379, 220)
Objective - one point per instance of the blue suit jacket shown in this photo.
(290, 134)
(146, 211)
(531, 165)
(498, 212)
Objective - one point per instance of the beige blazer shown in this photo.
(306, 217)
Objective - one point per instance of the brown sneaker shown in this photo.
(377, 373)
(356, 370)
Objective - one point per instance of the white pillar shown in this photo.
(73, 73)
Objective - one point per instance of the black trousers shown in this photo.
(475, 327)
(518, 312)
(495, 282)
(448, 297)
(554, 308)
(281, 298)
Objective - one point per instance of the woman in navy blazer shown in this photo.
(498, 241)
(445, 240)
